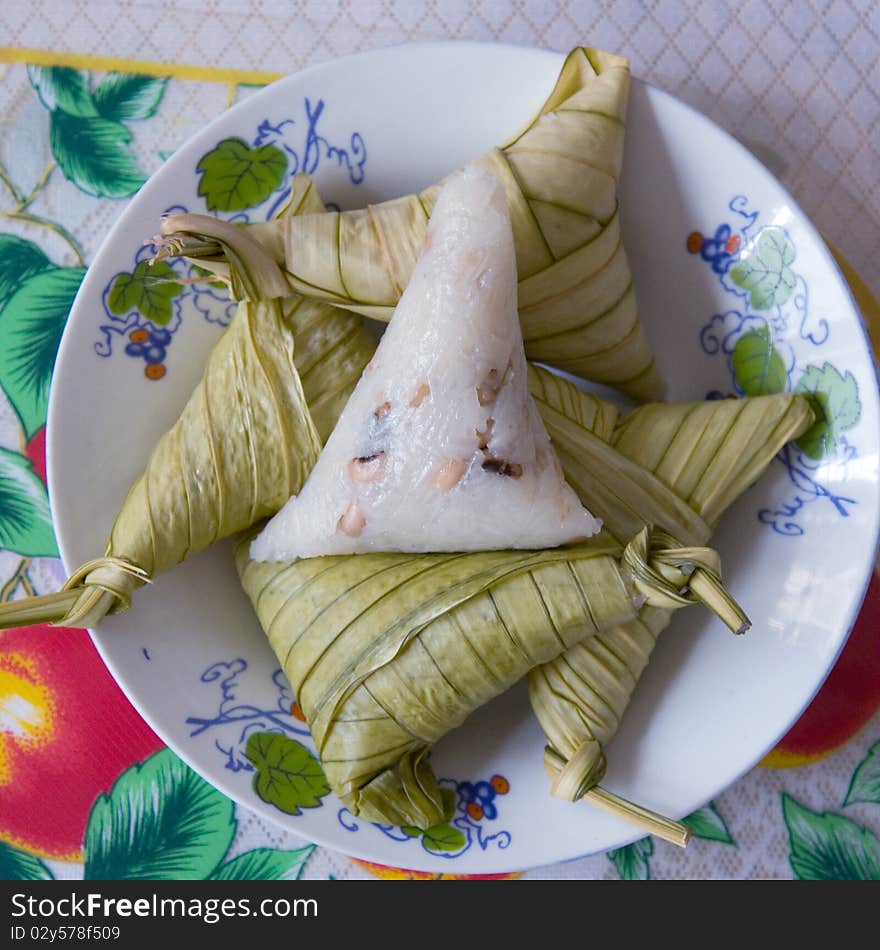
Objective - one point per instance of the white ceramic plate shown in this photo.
(798, 547)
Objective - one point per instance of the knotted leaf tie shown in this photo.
(579, 778)
(97, 588)
(667, 575)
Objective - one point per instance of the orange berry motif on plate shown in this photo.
(694, 242)
(500, 784)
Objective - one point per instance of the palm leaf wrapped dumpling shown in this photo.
(271, 392)
(560, 174)
(675, 465)
(389, 651)
(332, 347)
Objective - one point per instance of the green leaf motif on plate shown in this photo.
(65, 89)
(18, 865)
(827, 847)
(19, 259)
(265, 864)
(288, 775)
(204, 272)
(835, 400)
(631, 860)
(126, 96)
(25, 522)
(765, 269)
(160, 821)
(93, 153)
(443, 838)
(236, 176)
(31, 325)
(865, 784)
(758, 368)
(149, 289)
(708, 824)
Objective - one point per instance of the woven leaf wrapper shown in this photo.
(386, 653)
(678, 466)
(271, 392)
(202, 483)
(561, 174)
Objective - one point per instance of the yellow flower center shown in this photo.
(26, 711)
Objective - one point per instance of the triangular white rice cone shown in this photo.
(440, 447)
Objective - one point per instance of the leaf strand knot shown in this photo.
(668, 575)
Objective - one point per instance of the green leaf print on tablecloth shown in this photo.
(25, 521)
(18, 865)
(707, 823)
(828, 847)
(631, 861)
(288, 775)
(764, 270)
(835, 400)
(150, 288)
(63, 89)
(265, 864)
(865, 784)
(236, 176)
(123, 96)
(757, 366)
(160, 821)
(31, 324)
(19, 259)
(88, 137)
(93, 153)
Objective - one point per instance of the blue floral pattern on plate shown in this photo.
(144, 309)
(772, 341)
(236, 717)
(471, 806)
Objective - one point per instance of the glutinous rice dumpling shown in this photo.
(441, 447)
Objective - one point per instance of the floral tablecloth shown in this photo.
(76, 762)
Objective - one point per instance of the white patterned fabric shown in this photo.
(798, 82)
